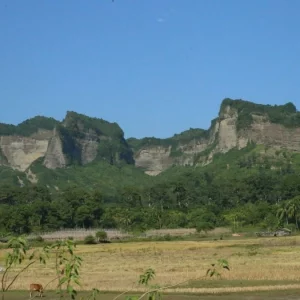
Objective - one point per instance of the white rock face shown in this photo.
(155, 159)
(54, 157)
(21, 152)
(227, 135)
(224, 136)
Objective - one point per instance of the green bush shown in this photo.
(89, 240)
(101, 236)
(167, 237)
(39, 239)
(291, 227)
(5, 239)
(204, 226)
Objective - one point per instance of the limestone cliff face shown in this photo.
(232, 129)
(85, 139)
(54, 156)
(154, 159)
(275, 135)
(260, 131)
(157, 158)
(78, 139)
(21, 152)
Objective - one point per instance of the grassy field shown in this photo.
(257, 265)
(79, 234)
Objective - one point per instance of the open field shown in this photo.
(258, 264)
(80, 234)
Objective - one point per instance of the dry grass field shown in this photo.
(80, 234)
(258, 264)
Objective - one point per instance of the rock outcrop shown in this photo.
(21, 152)
(54, 156)
(154, 159)
(239, 122)
(80, 140)
(77, 139)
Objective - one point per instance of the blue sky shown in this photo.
(157, 67)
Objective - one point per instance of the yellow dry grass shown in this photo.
(117, 266)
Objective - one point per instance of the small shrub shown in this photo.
(70, 238)
(291, 227)
(167, 237)
(4, 240)
(101, 236)
(39, 239)
(204, 226)
(89, 240)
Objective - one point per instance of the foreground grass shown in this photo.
(257, 264)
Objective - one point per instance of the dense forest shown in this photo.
(255, 186)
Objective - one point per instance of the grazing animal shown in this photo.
(36, 287)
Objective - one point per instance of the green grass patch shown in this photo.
(236, 283)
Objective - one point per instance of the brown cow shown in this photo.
(36, 287)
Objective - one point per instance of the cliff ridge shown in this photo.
(81, 140)
(238, 123)
(78, 139)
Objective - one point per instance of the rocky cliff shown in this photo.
(238, 123)
(78, 139)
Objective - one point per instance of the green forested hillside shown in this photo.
(99, 174)
(79, 124)
(181, 138)
(29, 126)
(8, 176)
(256, 186)
(286, 115)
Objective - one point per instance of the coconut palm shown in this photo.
(293, 209)
(282, 212)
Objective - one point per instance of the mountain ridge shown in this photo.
(80, 140)
(239, 122)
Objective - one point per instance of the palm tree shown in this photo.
(282, 212)
(293, 207)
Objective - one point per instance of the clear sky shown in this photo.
(157, 67)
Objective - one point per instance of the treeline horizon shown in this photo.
(181, 198)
